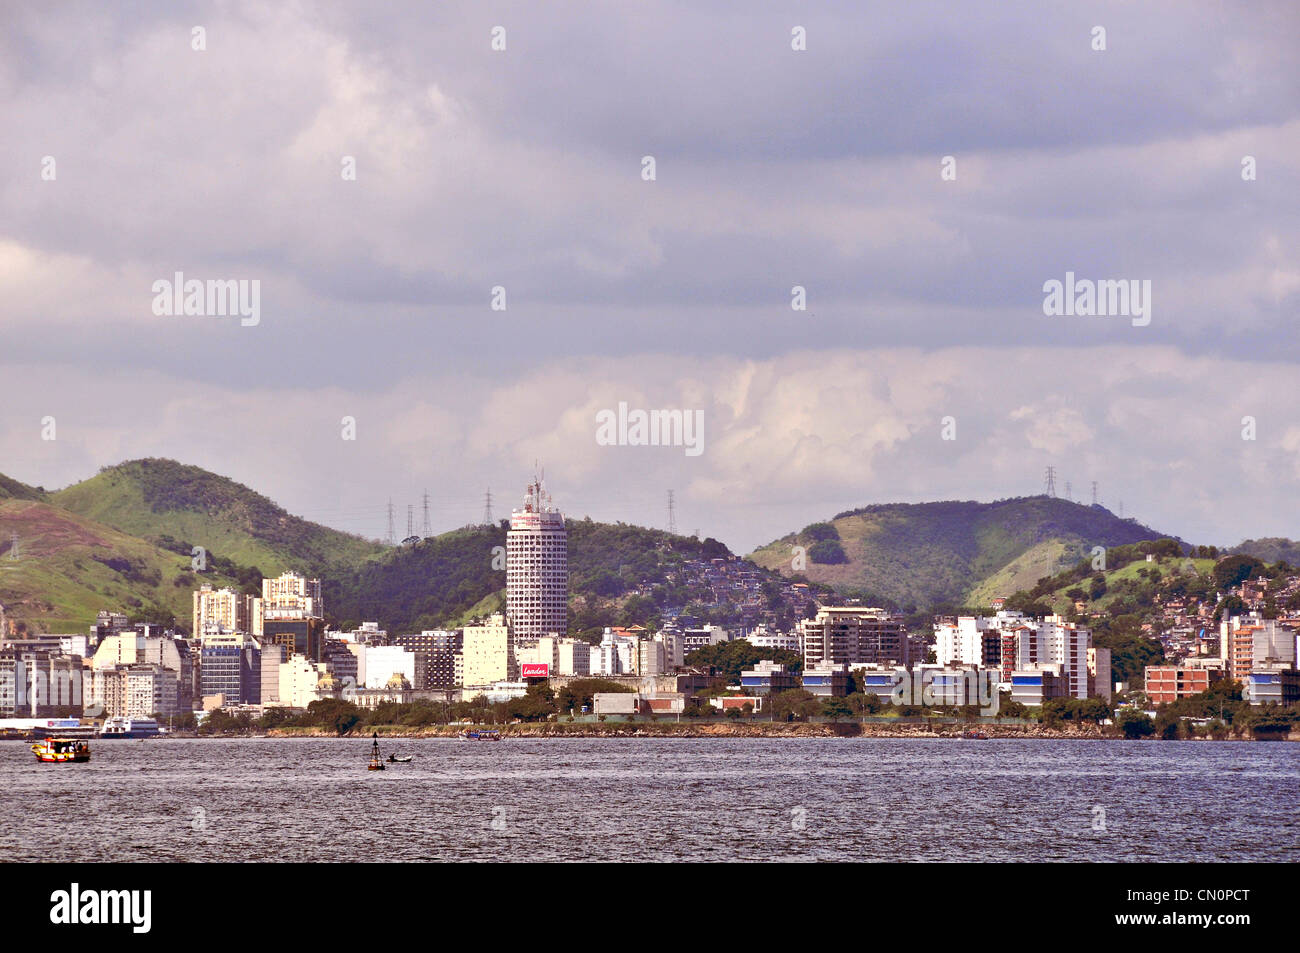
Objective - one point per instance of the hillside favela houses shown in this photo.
(252, 653)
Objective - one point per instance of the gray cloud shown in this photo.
(775, 168)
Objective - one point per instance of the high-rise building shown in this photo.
(1053, 641)
(230, 665)
(288, 597)
(1251, 643)
(537, 569)
(225, 607)
(853, 635)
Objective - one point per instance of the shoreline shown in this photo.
(763, 731)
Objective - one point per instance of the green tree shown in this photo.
(1135, 724)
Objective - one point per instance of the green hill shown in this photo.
(925, 555)
(69, 567)
(169, 503)
(11, 489)
(1271, 549)
(446, 580)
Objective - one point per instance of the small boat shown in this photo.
(376, 761)
(974, 736)
(480, 736)
(62, 750)
(394, 759)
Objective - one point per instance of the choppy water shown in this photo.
(671, 799)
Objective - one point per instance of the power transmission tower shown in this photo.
(1050, 479)
(428, 530)
(392, 532)
(1094, 492)
(487, 507)
(672, 515)
(1121, 509)
(410, 520)
(1069, 491)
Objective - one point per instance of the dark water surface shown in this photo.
(663, 800)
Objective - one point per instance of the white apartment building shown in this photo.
(288, 596)
(487, 653)
(761, 638)
(1056, 642)
(223, 607)
(616, 654)
(563, 656)
(537, 569)
(385, 661)
(973, 640)
(299, 682)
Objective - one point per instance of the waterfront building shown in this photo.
(384, 662)
(127, 647)
(767, 678)
(488, 654)
(230, 665)
(138, 690)
(1169, 683)
(1251, 643)
(853, 635)
(1039, 683)
(1280, 686)
(826, 680)
(437, 648)
(973, 640)
(1053, 641)
(299, 682)
(1100, 681)
(37, 683)
(537, 569)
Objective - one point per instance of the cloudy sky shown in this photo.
(522, 169)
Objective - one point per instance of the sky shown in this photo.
(502, 268)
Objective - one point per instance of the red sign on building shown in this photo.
(536, 670)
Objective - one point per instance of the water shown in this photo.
(655, 799)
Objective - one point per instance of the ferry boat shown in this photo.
(62, 750)
(129, 728)
(480, 736)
